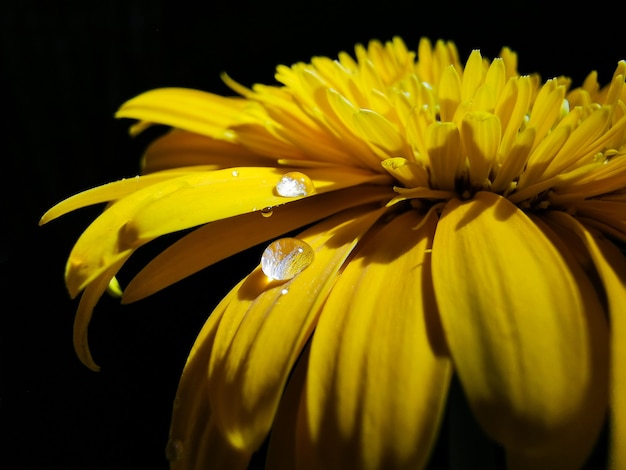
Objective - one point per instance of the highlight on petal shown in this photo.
(249, 367)
(528, 343)
(221, 239)
(195, 442)
(156, 210)
(179, 148)
(85, 310)
(191, 110)
(377, 359)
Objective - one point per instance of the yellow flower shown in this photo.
(457, 219)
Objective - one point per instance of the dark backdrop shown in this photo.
(65, 67)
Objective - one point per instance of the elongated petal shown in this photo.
(249, 367)
(376, 383)
(221, 194)
(611, 266)
(85, 310)
(179, 148)
(526, 345)
(156, 210)
(195, 442)
(223, 238)
(191, 110)
(281, 451)
(112, 191)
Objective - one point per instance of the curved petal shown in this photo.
(88, 301)
(223, 238)
(611, 266)
(526, 344)
(224, 193)
(249, 367)
(179, 148)
(195, 441)
(205, 196)
(377, 380)
(113, 191)
(192, 110)
(281, 451)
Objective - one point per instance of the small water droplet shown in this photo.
(284, 291)
(267, 212)
(174, 450)
(294, 184)
(285, 258)
(235, 173)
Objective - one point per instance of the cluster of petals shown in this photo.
(464, 220)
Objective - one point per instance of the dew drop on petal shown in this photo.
(174, 450)
(235, 173)
(294, 184)
(267, 212)
(284, 291)
(285, 258)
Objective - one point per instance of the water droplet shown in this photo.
(267, 212)
(174, 450)
(285, 258)
(235, 173)
(294, 184)
(284, 291)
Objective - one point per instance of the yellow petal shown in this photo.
(226, 193)
(192, 110)
(265, 328)
(183, 202)
(111, 192)
(195, 441)
(445, 155)
(88, 301)
(223, 238)
(179, 148)
(611, 266)
(480, 134)
(283, 442)
(378, 130)
(377, 381)
(526, 344)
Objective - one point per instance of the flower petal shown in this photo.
(195, 441)
(179, 148)
(223, 238)
(112, 191)
(537, 345)
(206, 196)
(377, 379)
(85, 310)
(249, 367)
(611, 266)
(222, 194)
(191, 110)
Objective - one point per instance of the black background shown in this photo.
(65, 68)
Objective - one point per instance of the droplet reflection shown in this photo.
(295, 184)
(285, 258)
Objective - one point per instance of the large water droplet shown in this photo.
(285, 258)
(294, 184)
(174, 450)
(267, 212)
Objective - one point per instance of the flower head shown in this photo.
(460, 219)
